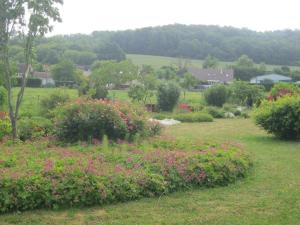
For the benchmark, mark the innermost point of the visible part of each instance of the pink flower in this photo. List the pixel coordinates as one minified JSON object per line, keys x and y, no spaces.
{"x":119,"y":168}
{"x":91,"y":167}
{"x":48,"y":165}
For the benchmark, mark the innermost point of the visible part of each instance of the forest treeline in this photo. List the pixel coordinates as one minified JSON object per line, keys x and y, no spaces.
{"x":187,"y":41}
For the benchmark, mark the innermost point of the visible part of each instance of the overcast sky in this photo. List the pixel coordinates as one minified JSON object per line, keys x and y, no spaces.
{"x":85,"y":16}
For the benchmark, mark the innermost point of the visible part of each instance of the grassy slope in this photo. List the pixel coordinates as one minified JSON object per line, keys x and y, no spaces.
{"x":271,"y":195}
{"x":159,"y":61}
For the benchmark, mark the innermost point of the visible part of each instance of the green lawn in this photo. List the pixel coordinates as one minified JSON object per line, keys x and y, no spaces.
{"x":271,"y":195}
{"x":159,"y":61}
{"x":33,"y":96}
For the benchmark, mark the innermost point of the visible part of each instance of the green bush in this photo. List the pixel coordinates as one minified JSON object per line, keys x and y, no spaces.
{"x":83,"y":120}
{"x":281,"y":117}
{"x":246,"y":94}
{"x":216,"y":95}
{"x":30,"y":82}
{"x":34,"y":128}
{"x":196,"y":117}
{"x":54,"y":183}
{"x":215,"y":112}
{"x":99,"y":92}
{"x":167,"y":96}
{"x":50,"y":103}
{"x":5,"y":125}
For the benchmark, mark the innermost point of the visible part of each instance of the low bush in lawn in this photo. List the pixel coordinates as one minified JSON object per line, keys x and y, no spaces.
{"x":215,"y":112}
{"x":36,"y":176}
{"x":281,"y":117}
{"x":192,"y":117}
{"x":84,"y":120}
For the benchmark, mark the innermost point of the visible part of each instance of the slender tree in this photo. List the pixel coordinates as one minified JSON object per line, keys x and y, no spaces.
{"x":27,"y":20}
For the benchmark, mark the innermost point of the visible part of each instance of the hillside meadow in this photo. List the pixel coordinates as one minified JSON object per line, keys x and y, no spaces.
{"x":159,"y":61}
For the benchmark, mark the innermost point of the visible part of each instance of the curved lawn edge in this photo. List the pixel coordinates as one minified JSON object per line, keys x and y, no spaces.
{"x":140,"y":175}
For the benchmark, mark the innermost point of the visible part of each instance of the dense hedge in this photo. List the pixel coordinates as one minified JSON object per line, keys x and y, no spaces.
{"x":30,"y":82}
{"x":65,"y":183}
{"x":84,"y":120}
{"x":281,"y":117}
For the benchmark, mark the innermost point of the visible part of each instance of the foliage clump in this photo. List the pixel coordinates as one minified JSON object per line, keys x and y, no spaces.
{"x":84,"y":120}
{"x":168,"y":96}
{"x":216,"y":95}
{"x":188,"y":117}
{"x":281,"y":117}
{"x":283,"y":89}
{"x":34,"y":128}
{"x":246,"y":94}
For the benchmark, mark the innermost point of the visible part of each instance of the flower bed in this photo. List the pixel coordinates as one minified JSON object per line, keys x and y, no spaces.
{"x":37,"y":176}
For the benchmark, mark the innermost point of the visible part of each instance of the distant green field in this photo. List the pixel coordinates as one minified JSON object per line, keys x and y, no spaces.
{"x":159,"y":61}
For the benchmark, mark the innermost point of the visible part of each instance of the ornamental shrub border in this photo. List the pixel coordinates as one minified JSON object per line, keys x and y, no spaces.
{"x":135,"y":175}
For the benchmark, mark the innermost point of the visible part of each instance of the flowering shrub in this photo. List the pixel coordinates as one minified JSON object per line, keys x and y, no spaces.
{"x":5,"y":125}
{"x":185,"y":107}
{"x":55,"y":177}
{"x":84,"y":120}
{"x":283,"y":89}
{"x":281,"y":117}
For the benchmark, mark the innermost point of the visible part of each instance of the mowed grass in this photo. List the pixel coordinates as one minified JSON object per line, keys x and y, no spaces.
{"x":159,"y":61}
{"x":270,"y":195}
{"x":33,"y":96}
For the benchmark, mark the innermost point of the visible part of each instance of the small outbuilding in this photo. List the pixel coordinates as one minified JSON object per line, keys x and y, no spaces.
{"x":270,"y":78}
